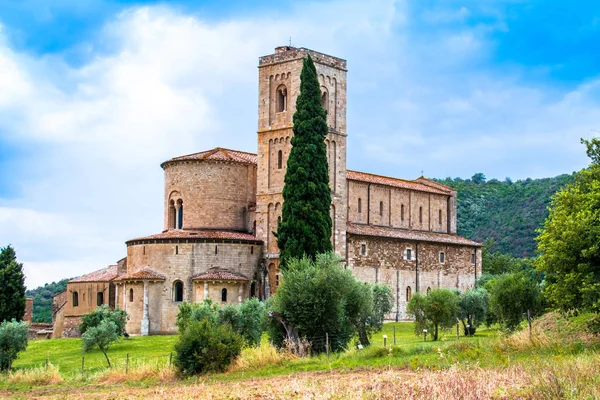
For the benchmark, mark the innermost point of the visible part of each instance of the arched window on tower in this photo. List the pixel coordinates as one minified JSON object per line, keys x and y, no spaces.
{"x":402,"y":212}
{"x":178,"y":291}
{"x":440,"y":217}
{"x":381,"y":208}
{"x":172,"y":214}
{"x":224,"y":295}
{"x":279,"y":159}
{"x":421,"y":214}
{"x":130,"y":295}
{"x":408,"y":293}
{"x":75,"y":299}
{"x":359,"y":205}
{"x":281,"y":98}
{"x":324,"y":98}
{"x":180,"y":214}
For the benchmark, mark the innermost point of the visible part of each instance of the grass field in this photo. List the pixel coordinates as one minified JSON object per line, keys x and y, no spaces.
{"x":489,"y":365}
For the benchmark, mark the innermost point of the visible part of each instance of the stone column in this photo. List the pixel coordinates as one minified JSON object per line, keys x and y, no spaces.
{"x":240,"y":292}
{"x":124,"y":296}
{"x":206,"y":290}
{"x":177,"y":211}
{"x":145,"y":320}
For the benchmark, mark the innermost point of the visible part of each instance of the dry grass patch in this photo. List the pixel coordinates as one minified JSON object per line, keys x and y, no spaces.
{"x":259,"y":357}
{"x":136,"y":372}
{"x":39,"y":376}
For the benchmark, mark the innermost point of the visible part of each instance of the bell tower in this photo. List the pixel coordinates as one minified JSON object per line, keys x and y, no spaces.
{"x":278,"y":89}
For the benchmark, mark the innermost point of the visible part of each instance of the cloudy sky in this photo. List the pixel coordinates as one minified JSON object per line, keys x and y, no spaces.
{"x":95,"y":94}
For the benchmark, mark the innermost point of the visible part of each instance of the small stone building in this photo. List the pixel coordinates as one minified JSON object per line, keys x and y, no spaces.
{"x":222,"y":206}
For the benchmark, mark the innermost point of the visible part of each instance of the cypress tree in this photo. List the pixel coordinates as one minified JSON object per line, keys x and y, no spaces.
{"x":12,"y":292}
{"x":305,"y":227}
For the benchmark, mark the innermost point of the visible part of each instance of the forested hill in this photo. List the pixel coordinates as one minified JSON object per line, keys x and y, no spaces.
{"x":505,"y":211}
{"x":42,"y":299}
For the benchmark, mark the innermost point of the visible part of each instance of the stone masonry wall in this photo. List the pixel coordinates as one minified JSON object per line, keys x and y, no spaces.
{"x":215,"y":195}
{"x":382,"y":205}
{"x":385,"y":261}
{"x":180,"y":261}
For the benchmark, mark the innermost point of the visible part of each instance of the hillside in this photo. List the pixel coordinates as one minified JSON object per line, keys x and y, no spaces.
{"x":507,"y":212}
{"x":42,"y":299}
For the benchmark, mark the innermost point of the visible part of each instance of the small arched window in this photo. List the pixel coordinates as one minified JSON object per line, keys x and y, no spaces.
{"x":180,"y":214}
{"x":130,"y":295}
{"x":442,"y":257}
{"x":224,"y":295}
{"x":402,"y":212}
{"x":100,"y":298}
{"x":381,"y":208}
{"x":408,"y":254}
{"x":281,"y":98}
{"x":279,"y":159}
{"x":428,"y":290}
{"x":253,"y":289}
{"x":359,"y":205}
{"x":408,"y":293}
{"x":251,"y":249}
{"x":172,"y":215}
{"x":178,"y":291}
{"x":176,"y":249}
{"x":277,"y":280}
{"x":278,"y":220}
{"x":440,"y":217}
{"x":421,"y":214}
{"x":216,"y":249}
{"x":75,"y":299}
{"x":325,"y":99}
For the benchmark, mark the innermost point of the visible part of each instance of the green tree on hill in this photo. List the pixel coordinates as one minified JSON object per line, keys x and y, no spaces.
{"x":569,"y":242}
{"x":12,"y":281}
{"x":305,"y":227}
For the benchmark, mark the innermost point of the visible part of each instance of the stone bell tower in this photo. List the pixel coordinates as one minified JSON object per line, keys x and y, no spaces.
{"x":279,"y":87}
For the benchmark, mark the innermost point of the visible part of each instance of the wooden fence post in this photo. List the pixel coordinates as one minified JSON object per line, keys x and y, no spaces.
{"x":327,"y":344}
{"x":127,"y":364}
{"x":82,"y":366}
{"x":394,"y":335}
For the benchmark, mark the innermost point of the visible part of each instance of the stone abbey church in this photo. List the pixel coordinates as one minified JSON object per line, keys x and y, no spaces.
{"x":222,"y":206}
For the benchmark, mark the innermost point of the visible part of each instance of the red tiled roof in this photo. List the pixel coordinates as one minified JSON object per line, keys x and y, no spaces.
{"x":216,"y":274}
{"x":190,"y":234}
{"x":143,"y":274}
{"x":102,"y":275}
{"x":217,"y":154}
{"x":395,"y":182}
{"x":395,"y":233}
{"x":435,"y":184}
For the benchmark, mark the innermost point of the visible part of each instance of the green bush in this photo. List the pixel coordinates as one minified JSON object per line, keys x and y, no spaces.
{"x":206,"y":347}
{"x":438,"y":309}
{"x":94,"y":318}
{"x":13,"y":339}
{"x":247,"y":319}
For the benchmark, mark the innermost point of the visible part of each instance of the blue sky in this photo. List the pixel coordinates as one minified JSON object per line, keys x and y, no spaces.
{"x":95,"y":94}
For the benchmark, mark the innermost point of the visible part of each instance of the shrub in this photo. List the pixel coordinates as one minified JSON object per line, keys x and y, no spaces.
{"x":95,"y":317}
{"x":101,"y":336}
{"x":13,"y":339}
{"x":206,"y":347}
{"x":438,"y":309}
{"x":472,"y":309}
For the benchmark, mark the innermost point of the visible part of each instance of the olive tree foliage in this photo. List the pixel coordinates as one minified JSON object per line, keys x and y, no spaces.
{"x":247,"y":319}
{"x":435,"y":311}
{"x":472,"y":309}
{"x":102,"y":336}
{"x":305,"y":227}
{"x":569,"y":242}
{"x":104,"y":313}
{"x":13,"y":340}
{"x":320,"y":297}
{"x":515,"y":297}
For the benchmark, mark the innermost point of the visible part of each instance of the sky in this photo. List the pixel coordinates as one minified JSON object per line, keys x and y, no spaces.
{"x":95,"y":95}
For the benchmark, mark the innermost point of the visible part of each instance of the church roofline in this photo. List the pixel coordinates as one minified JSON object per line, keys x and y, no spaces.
{"x":217,"y":154}
{"x":395,"y":182}
{"x":197,"y":236}
{"x":102,"y":275}
{"x":289,"y":53}
{"x":408,"y":234}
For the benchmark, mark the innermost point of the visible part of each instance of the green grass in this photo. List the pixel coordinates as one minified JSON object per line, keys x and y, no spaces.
{"x":66,"y":354}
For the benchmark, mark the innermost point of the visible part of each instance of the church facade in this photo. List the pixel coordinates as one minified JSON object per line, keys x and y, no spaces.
{"x":222,"y":206}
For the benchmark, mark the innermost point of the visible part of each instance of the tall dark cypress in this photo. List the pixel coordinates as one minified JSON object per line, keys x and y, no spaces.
{"x":12,"y":286}
{"x":305,"y":227}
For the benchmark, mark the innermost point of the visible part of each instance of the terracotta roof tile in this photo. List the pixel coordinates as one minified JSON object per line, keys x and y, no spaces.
{"x":217,"y":154}
{"x":217,"y":274}
{"x":395,"y":182}
{"x":144,"y":273}
{"x":102,"y":275}
{"x":199,"y":234}
{"x":395,"y":233}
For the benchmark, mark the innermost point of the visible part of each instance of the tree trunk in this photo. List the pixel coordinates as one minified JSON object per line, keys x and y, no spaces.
{"x":435,"y":335}
{"x":107,"y":360}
